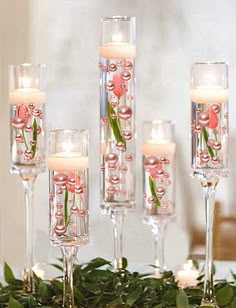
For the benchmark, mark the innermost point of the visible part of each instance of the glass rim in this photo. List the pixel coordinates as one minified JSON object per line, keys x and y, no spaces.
{"x":68,"y":130}
{"x":26,"y":65}
{"x":118,"y":18}
{"x":159,"y":122}
{"x":210,"y":62}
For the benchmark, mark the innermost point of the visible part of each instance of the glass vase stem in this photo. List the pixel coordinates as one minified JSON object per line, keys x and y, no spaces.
{"x":209,"y":189}
{"x":117,"y":219}
{"x":158,"y":233}
{"x":28,"y":181}
{"x":69,"y":253}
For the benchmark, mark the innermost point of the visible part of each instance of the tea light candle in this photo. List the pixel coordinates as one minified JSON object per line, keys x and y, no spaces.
{"x":187,"y":276}
{"x":38,"y":271}
{"x":117,"y":50}
{"x":152,"y":147}
{"x":67,"y":162}
{"x":26,"y":96}
{"x":206,"y":95}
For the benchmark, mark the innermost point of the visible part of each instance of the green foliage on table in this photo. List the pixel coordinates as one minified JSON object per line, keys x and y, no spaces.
{"x":96,"y":285}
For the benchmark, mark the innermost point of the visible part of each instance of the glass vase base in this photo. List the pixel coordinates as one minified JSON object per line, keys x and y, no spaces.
{"x":118,"y":264}
{"x":207,"y":303}
{"x":27,"y":277}
{"x":209,"y":175}
{"x":156,"y":219}
{"x":27,"y":169}
{"x":118,"y":207}
{"x":64,"y":241}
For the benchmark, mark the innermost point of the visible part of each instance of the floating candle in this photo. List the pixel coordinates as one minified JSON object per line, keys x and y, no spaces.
{"x":152,"y":147}
{"x":67,"y":162}
{"x":26,"y":96}
{"x":117,"y":50}
{"x":206,"y":95}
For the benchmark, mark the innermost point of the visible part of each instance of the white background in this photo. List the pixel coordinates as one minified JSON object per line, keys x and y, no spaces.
{"x":65,"y":34}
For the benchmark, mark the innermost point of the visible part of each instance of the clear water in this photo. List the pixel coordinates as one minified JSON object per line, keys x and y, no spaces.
{"x":68,"y":199}
{"x":209,"y":134}
{"x":117,"y":131}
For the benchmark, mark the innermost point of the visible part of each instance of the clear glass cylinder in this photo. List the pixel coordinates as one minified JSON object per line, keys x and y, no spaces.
{"x":209,"y":119}
{"x":68,"y":187}
{"x":117,"y":113}
{"x":27,"y":123}
{"x":159,"y":161}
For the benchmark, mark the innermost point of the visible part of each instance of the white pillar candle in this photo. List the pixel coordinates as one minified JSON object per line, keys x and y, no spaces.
{"x":151,"y":147}
{"x":117,"y":50}
{"x":67,"y":162}
{"x":26,"y":96}
{"x":206,"y":95}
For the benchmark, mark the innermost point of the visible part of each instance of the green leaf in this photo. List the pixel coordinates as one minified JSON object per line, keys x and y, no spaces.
{"x":43,"y":290}
{"x":124,"y":263}
{"x":233,"y":305}
{"x":115,"y":302}
{"x":224,"y":295}
{"x":58,"y":284}
{"x":170,"y":297}
{"x":96,"y":263}
{"x":4,"y":298}
{"x":57,"y":266}
{"x":133,"y":296}
{"x":234,"y":275}
{"x":13,"y":303}
{"x":35,"y":136}
{"x":114,"y":124}
{"x":152,"y":186}
{"x":8,"y":274}
{"x":205,"y":136}
{"x":182,"y":299}
{"x":93,"y":288}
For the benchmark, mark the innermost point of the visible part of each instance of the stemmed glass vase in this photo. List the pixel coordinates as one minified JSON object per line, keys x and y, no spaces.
{"x":117,"y":123}
{"x":159,"y":160}
{"x":68,"y":199}
{"x":209,"y":136}
{"x":27,"y":124}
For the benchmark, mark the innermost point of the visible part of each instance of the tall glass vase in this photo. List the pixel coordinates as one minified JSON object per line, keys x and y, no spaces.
{"x":209,"y":132}
{"x":68,"y":199}
{"x":117,"y":123}
{"x":159,"y":155}
{"x":27,"y":124}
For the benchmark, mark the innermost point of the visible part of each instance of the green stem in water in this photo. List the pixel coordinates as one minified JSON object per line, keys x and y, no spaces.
{"x":205,"y":136}
{"x":66,"y":220}
{"x":114,"y":124}
{"x":35,"y":136}
{"x":152,"y":187}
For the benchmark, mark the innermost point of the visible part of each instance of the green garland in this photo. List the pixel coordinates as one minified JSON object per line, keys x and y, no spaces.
{"x":96,"y":285}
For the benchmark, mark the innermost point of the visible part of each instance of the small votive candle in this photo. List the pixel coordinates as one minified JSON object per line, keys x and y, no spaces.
{"x":187,"y":276}
{"x":38,"y":271}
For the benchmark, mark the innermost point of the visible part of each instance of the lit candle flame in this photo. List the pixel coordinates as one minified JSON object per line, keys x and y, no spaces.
{"x":117,"y":37}
{"x":25,"y":82}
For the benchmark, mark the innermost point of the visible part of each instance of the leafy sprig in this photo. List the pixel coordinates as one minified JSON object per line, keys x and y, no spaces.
{"x":205,"y":137}
{"x":114,"y":124}
{"x":35,"y":137}
{"x":152,"y":186}
{"x":96,"y":285}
